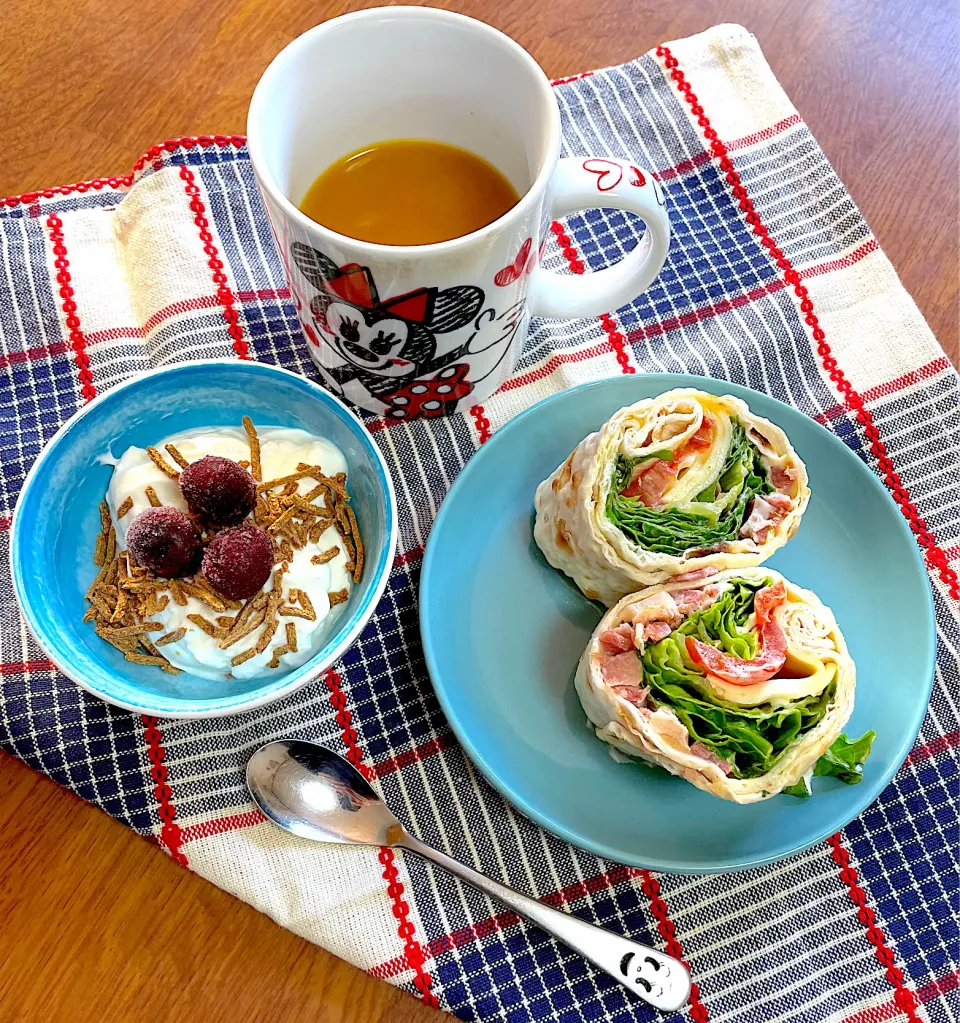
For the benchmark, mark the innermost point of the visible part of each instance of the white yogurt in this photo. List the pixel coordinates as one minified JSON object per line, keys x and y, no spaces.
{"x":280,"y":451}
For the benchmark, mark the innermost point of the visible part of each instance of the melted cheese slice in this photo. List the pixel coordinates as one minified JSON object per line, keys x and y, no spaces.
{"x":804,"y":675}
{"x":706,"y":464}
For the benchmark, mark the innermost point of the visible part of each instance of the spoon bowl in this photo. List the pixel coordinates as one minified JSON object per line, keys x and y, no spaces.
{"x":310,"y":791}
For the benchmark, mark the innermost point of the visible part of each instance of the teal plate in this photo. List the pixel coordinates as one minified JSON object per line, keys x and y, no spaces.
{"x":502,"y":633}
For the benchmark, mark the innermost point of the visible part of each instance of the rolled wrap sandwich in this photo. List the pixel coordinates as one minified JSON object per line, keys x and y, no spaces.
{"x":669,"y":485}
{"x":739,"y":683}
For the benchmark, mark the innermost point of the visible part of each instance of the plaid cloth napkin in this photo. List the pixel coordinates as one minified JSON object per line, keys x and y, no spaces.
{"x":775,"y":281}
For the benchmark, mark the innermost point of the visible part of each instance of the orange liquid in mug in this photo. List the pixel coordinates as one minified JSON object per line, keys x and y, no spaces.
{"x":409,"y":192}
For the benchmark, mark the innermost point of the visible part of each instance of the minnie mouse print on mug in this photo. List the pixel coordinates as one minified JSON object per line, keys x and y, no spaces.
{"x":436,"y":139}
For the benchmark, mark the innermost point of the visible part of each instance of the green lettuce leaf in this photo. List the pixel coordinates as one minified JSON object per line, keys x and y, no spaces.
{"x":801,"y":789}
{"x":671,"y":531}
{"x":753,"y":739}
{"x":845,"y":758}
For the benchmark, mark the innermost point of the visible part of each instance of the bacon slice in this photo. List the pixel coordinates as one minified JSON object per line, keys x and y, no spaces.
{"x":622,"y":670}
{"x":771,"y":648}
{"x":694,"y":600}
{"x":650,"y":484}
{"x":655,"y":631}
{"x":705,"y":753}
{"x":766,"y":513}
{"x":617,"y":640}
{"x":783,"y":479}
{"x":632,"y":694}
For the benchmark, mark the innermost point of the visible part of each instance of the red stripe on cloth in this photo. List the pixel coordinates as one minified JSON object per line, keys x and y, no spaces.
{"x":765,"y":134}
{"x":96,"y":184}
{"x":493,"y":924}
{"x":554,"y":362}
{"x":78,"y":341}
{"x":25,"y":667}
{"x":413,"y":956}
{"x":262,"y":294}
{"x":933,"y":748}
{"x":842,"y":263}
{"x":151,"y":155}
{"x":651,"y":888}
{"x":915,"y":376}
{"x":704,"y":312}
{"x":412,"y":756}
{"x":890,"y":1009}
{"x":170,"y":834}
{"x":414,"y":554}
{"x":935,"y":556}
{"x":685,"y":166}
{"x":187,"y":305}
{"x":154,"y":321}
{"x":224,"y":295}
{"x":574,"y":262}
{"x":904,"y":998}
{"x":32,"y":354}
{"x":222,"y":825}
{"x":939,"y":987}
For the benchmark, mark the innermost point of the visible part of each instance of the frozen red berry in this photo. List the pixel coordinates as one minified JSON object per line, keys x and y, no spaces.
{"x":165,"y":541}
{"x":239,"y":561}
{"x":218,"y":490}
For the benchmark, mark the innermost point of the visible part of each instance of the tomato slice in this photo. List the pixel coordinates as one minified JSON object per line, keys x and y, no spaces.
{"x":771,"y":652}
{"x":768,"y":600}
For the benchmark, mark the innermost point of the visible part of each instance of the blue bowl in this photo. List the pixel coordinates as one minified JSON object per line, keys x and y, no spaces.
{"x":57,"y":520}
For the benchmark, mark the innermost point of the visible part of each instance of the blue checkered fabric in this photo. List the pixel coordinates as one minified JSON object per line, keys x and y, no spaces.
{"x":781,"y":943}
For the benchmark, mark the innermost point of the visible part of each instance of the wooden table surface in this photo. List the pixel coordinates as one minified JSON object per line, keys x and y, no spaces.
{"x":96,"y":923}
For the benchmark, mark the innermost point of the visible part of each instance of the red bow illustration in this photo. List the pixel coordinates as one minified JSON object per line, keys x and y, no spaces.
{"x":354,"y":284}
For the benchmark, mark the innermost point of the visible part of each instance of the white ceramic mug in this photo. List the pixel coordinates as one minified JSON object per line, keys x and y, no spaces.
{"x":413,"y":330}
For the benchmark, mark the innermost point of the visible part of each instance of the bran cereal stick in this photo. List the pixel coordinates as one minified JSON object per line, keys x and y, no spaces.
{"x":161,"y":463}
{"x":176,"y":456}
{"x":256,"y":471}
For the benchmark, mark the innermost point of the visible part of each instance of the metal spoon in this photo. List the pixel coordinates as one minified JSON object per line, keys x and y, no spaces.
{"x":310,"y":791}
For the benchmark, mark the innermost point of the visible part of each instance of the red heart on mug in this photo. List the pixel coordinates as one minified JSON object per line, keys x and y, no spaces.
{"x":512,"y":273}
{"x":609,"y":174}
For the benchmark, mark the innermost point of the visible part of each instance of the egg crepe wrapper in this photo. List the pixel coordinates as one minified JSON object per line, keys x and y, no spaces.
{"x":660,"y":737}
{"x":576,"y":534}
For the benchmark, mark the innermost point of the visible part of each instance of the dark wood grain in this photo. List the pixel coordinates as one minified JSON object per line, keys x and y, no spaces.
{"x":94,"y":922}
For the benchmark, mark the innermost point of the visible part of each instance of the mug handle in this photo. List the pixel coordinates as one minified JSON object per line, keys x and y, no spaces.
{"x":592,"y":182}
